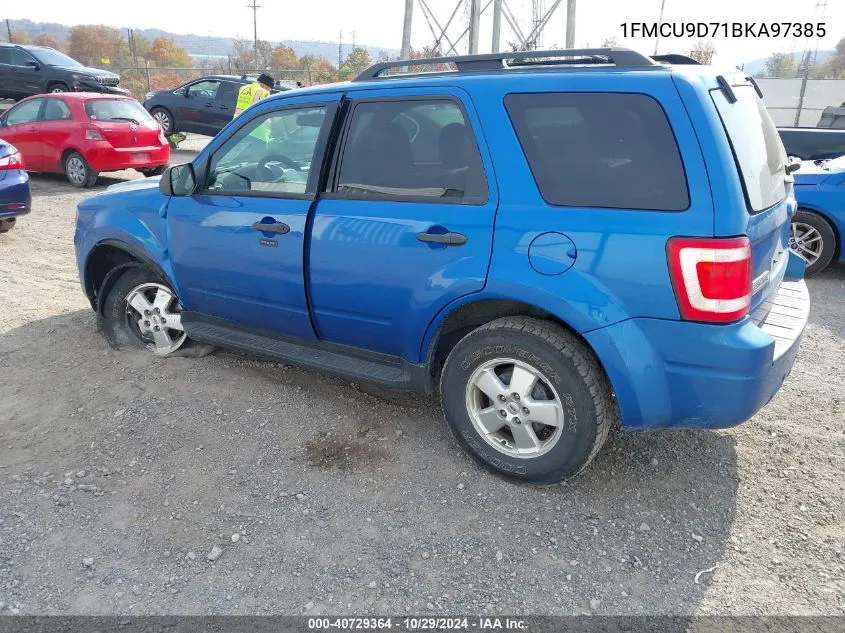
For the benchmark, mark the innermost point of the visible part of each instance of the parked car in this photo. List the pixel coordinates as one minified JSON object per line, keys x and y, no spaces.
{"x":32,"y":70}
{"x":83,"y":134}
{"x":15,"y":198}
{"x":819,"y":225}
{"x":542,"y":243}
{"x":808,"y":143}
{"x":203,"y":106}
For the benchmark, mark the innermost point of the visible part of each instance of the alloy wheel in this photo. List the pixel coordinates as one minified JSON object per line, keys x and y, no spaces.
{"x":806,"y":241}
{"x":514,"y":408}
{"x":76,"y":170}
{"x":156,"y":312}
{"x":162,"y":119}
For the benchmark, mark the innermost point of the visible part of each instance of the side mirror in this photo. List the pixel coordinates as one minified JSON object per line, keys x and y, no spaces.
{"x":33,"y":64}
{"x":178,"y":180}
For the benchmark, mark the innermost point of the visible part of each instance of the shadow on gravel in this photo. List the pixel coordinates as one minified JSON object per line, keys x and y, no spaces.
{"x":49,"y":184}
{"x":183,"y":452}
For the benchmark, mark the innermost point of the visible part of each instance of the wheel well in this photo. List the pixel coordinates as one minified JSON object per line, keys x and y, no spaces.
{"x":838,"y":245}
{"x":65,"y":154}
{"x":469,"y":316}
{"x":53,"y":83}
{"x":103,"y":259}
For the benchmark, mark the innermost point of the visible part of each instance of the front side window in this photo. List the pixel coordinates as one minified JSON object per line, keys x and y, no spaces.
{"x":56,"y":110}
{"x":203,"y":89}
{"x":420,"y":149}
{"x":24,"y":113}
{"x":608,"y":150}
{"x":273,"y":153}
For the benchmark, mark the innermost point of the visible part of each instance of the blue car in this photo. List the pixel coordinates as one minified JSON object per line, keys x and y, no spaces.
{"x":819,"y":225}
{"x":555,"y":242}
{"x":15,"y":198}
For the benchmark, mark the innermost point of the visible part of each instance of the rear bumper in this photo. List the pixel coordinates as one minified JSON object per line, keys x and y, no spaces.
{"x":15,"y":198}
{"x":678,"y":374}
{"x":103,"y":157}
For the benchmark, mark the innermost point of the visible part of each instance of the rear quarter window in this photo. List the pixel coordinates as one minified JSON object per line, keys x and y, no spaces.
{"x":757,"y":147}
{"x":610,"y":150}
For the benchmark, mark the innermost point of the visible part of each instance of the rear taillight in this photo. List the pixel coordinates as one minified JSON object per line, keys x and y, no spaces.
{"x":93,"y":135}
{"x":712,"y":277}
{"x":12,"y":161}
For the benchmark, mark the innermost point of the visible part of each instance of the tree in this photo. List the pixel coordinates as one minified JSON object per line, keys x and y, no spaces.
{"x":20,"y":37}
{"x":284,"y":58}
{"x":779,"y":65}
{"x":168,"y":54}
{"x":609,"y":42}
{"x":357,"y":61}
{"x":703,"y":52}
{"x":89,"y":43}
{"x":45,"y":40}
{"x":243,"y":55}
{"x":834,"y":68}
{"x":318,"y":70}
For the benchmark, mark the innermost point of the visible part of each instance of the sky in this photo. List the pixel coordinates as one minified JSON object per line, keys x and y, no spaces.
{"x":379,"y":22}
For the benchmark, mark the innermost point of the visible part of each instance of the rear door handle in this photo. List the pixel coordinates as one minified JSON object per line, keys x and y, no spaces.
{"x":277,"y":227}
{"x":449,"y":239}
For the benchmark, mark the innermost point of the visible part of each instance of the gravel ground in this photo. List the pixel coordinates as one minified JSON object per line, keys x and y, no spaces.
{"x":123,"y":475}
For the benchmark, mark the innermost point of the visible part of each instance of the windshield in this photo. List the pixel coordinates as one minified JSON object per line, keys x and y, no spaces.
{"x":757,"y":147}
{"x":116,"y":110}
{"x":52,"y":57}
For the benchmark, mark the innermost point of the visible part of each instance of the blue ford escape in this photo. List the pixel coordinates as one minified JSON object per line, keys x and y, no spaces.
{"x":556,"y":241}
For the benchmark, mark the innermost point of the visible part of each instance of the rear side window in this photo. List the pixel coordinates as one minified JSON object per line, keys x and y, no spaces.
{"x":56,"y":110}
{"x":415,"y":150}
{"x":611,"y":150}
{"x":757,"y":147}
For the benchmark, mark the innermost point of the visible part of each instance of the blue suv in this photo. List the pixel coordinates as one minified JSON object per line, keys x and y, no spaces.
{"x":555,"y":241}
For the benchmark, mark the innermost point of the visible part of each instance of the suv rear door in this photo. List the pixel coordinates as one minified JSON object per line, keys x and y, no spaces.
{"x":406,"y":225}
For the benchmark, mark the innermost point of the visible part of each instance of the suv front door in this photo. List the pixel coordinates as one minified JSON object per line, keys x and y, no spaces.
{"x":237,"y":245}
{"x":407,"y":224}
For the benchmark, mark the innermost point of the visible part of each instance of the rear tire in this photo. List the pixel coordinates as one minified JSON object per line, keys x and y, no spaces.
{"x":163,"y":117}
{"x":78,"y":171}
{"x":813,"y":238}
{"x":156,"y":171}
{"x":7,"y":225}
{"x":545,"y":408}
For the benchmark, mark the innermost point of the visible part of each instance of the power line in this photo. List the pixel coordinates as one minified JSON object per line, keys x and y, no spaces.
{"x":255,"y":7}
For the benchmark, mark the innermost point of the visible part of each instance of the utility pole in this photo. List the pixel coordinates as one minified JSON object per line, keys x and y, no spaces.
{"x":9,"y":30}
{"x":339,"y":51}
{"x":570,"y":24}
{"x":255,"y":7}
{"x":497,"y":25}
{"x":659,"y":22}
{"x":406,"y":29}
{"x":474,"y":24}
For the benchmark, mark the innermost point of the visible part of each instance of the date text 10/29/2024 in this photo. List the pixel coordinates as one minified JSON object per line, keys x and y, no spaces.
{"x":417,"y":624}
{"x":703,"y":30}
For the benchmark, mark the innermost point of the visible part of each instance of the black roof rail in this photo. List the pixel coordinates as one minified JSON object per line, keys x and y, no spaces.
{"x":674,"y":58}
{"x":621,"y":57}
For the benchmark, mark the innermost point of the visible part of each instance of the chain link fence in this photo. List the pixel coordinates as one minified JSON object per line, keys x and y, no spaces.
{"x":800,"y":102}
{"x":144,"y":79}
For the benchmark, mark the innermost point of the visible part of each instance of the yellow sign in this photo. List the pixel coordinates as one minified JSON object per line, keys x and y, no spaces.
{"x":105,"y":60}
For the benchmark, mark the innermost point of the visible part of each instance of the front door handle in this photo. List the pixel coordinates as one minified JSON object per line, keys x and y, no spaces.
{"x":449,"y":239}
{"x":276,"y":227}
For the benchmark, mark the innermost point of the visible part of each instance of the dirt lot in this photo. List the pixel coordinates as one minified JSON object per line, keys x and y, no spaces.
{"x":120,"y":472}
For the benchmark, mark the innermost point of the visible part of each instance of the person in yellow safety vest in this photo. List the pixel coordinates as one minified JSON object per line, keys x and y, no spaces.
{"x":254,"y":92}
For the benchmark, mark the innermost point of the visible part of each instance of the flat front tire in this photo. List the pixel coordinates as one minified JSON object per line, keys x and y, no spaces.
{"x":527,"y":400}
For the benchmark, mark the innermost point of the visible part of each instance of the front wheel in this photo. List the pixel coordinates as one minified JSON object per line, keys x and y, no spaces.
{"x":813,"y":238}
{"x":58,"y":87}
{"x":527,"y":400}
{"x":142,"y":309}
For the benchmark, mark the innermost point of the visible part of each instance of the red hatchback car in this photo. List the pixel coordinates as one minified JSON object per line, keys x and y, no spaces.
{"x":82,"y":134}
